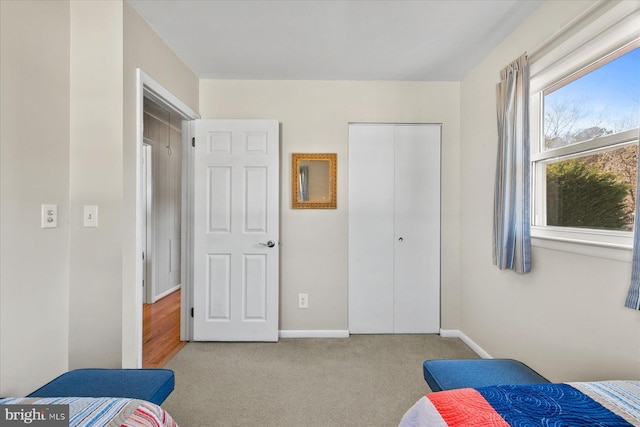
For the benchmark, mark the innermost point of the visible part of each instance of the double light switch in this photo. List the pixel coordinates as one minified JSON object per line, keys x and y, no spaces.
{"x":49,"y":216}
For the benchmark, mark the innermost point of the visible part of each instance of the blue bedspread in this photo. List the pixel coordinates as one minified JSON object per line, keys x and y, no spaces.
{"x":553,"y":404}
{"x":606,"y":403}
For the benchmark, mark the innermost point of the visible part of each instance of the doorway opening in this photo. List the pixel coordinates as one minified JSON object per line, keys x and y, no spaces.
{"x":162,"y":219}
{"x":161,"y":194}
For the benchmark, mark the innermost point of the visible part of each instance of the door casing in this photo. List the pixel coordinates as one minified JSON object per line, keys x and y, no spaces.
{"x":146,"y":230}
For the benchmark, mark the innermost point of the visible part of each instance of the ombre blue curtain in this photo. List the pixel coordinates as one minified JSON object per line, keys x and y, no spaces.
{"x":511,"y":222}
{"x":633,"y":297}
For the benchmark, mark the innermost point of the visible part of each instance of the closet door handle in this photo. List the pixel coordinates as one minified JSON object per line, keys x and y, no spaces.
{"x":401,"y":239}
{"x":269,"y":244}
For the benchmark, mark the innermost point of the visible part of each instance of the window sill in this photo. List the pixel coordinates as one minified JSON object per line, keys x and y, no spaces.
{"x":615,"y":245}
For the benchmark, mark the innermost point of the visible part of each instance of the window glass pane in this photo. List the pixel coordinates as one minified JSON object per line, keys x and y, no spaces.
{"x":602,"y":102}
{"x":593,"y":191}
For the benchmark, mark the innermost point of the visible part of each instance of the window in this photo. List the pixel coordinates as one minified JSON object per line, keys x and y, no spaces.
{"x":585,"y":150}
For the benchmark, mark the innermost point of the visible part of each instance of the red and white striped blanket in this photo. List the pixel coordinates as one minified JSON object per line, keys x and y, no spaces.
{"x":103,"y":411}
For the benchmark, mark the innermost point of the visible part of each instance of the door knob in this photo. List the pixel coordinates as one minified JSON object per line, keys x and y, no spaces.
{"x":269,"y":244}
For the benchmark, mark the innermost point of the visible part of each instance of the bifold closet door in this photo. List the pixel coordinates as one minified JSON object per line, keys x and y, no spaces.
{"x":371,"y":211}
{"x":417,"y":229}
{"x":394,"y":228}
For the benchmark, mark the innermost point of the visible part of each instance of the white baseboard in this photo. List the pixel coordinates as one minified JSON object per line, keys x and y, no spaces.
{"x":337,"y":333}
{"x":314,"y":334}
{"x":455,"y":333}
{"x":165,"y":293}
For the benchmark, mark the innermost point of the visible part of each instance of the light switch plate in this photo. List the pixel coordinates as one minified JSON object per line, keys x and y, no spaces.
{"x":90,"y":217}
{"x":303,"y":300}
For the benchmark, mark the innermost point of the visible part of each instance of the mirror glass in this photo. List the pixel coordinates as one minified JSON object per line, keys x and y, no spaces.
{"x":313,"y":180}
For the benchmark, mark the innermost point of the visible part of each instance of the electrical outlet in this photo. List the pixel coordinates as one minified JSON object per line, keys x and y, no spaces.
{"x":303,"y":300}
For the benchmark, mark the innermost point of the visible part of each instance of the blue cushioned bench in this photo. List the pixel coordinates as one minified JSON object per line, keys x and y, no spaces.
{"x":153,"y":385}
{"x":448,"y":374}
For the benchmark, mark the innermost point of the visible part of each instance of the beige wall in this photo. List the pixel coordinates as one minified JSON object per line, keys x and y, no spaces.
{"x":314,"y":117}
{"x":109,"y":43}
{"x":566,"y":318}
{"x":34,"y":169}
{"x":96,"y":179}
{"x":68,"y":132}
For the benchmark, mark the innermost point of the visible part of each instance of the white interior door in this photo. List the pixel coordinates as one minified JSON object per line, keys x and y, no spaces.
{"x":236,"y":230}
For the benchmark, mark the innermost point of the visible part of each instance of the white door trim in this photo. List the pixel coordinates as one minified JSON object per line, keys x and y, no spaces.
{"x":146,"y":217}
{"x":147,"y":87}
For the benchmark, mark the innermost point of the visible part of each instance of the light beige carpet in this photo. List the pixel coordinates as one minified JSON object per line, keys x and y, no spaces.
{"x":363,"y":380}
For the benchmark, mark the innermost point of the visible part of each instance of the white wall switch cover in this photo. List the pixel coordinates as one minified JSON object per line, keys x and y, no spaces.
{"x":90,"y":216}
{"x":49,"y":216}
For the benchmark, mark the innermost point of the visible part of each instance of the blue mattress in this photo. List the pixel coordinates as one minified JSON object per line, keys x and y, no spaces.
{"x":153,"y":385}
{"x":449,"y":374}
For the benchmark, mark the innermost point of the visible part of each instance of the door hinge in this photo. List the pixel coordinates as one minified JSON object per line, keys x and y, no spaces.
{"x":191,"y":311}
{"x":193,"y":141}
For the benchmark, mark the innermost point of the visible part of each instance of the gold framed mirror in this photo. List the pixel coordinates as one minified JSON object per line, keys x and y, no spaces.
{"x":313,"y":180}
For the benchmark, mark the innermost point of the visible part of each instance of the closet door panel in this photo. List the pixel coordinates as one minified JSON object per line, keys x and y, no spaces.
{"x":417,"y":229}
{"x":371,"y":228}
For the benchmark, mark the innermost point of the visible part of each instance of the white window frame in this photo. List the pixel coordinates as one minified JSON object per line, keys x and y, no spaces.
{"x":603,"y":29}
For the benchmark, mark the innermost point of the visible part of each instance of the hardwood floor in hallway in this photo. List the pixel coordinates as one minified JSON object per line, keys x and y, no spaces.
{"x":161,"y":331}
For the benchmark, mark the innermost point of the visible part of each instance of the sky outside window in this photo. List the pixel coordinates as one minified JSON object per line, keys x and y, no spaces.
{"x":602,"y":102}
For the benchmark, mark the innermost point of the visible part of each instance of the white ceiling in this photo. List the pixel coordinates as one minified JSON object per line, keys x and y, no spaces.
{"x":431,"y":40}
